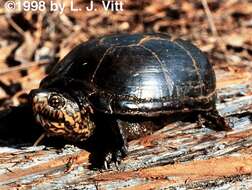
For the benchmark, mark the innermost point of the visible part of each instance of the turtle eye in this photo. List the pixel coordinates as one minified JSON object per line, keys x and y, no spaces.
{"x":56,"y":101}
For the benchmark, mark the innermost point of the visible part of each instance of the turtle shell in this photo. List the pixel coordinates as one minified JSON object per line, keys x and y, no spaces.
{"x":139,"y":74}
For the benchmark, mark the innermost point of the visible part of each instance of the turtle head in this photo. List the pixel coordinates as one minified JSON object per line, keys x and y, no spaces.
{"x":62,"y":115}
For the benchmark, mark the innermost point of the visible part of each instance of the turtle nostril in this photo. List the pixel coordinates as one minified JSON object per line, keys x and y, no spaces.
{"x":32,"y":95}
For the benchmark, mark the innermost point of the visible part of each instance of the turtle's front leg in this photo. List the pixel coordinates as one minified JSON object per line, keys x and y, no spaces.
{"x":214,"y":120}
{"x":120,"y":146}
{"x":117,"y":145}
{"x":109,"y":144}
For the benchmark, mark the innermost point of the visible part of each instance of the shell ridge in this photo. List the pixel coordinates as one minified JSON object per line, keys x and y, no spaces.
{"x":168,"y":79}
{"x":195,"y":65}
{"x":147,"y":38}
{"x":100,"y":62}
{"x":106,"y":53}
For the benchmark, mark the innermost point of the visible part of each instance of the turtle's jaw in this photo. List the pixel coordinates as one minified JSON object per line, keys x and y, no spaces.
{"x":59,"y":115}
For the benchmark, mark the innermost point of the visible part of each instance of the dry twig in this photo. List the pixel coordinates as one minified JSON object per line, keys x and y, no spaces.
{"x":22,"y":66}
{"x":209,"y":17}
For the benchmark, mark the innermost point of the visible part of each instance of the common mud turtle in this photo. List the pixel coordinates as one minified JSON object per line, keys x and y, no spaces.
{"x":116,"y":88}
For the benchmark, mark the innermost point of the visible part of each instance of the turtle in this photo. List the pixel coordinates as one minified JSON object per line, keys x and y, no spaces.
{"x":116,"y":88}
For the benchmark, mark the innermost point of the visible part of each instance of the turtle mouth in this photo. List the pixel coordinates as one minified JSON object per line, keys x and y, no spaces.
{"x":46,"y":113}
{"x":52,"y":121}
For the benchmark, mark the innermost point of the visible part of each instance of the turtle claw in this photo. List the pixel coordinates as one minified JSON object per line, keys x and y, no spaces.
{"x":108,"y":165}
{"x":105,"y":164}
{"x":107,"y":160}
{"x":117,"y":165}
{"x":113,"y":159}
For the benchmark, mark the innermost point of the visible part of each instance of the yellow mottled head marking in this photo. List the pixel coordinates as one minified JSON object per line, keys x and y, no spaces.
{"x":61,"y":115}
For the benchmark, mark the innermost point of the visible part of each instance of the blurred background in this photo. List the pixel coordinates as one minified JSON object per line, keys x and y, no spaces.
{"x":32,"y":40}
